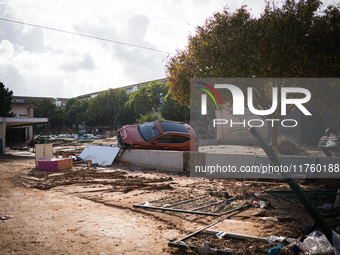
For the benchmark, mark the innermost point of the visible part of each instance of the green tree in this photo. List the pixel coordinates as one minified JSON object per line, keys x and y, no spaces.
{"x":72,"y":113}
{"x":289,"y":41}
{"x":5,"y":101}
{"x":47,"y":109}
{"x":58,"y":121}
{"x":148,"y":117}
{"x":107,"y":109}
{"x":172,"y":110}
{"x":87,"y":122}
{"x":94,"y":112}
{"x":147,"y":98}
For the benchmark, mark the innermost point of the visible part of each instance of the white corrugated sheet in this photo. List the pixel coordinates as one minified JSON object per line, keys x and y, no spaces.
{"x":101,"y":155}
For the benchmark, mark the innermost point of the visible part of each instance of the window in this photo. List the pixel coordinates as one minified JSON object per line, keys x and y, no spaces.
{"x":179,"y":139}
{"x":173,"y":139}
{"x":173,"y":127}
{"x":148,"y":131}
{"x":164,"y":139}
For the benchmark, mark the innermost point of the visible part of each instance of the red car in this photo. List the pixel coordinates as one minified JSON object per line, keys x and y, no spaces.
{"x":159,"y":135}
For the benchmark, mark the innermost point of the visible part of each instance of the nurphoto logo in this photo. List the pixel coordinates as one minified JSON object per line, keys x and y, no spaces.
{"x":239,"y":105}
{"x":222,"y":111}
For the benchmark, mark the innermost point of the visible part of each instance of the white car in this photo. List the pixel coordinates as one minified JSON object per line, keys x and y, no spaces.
{"x":64,"y":136}
{"x":89,"y":136}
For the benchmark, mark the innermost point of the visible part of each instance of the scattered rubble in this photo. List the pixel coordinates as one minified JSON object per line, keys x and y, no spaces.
{"x":267,"y":219}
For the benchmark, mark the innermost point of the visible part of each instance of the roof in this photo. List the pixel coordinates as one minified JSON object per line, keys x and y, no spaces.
{"x":38,"y":98}
{"x":85,"y":96}
{"x":15,"y":121}
{"x":124,"y":87}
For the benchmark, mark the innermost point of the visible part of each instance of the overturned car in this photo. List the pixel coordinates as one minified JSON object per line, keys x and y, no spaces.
{"x":158,"y":135}
{"x":330,"y":143}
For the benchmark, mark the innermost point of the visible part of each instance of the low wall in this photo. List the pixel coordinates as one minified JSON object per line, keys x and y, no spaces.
{"x":164,"y":160}
{"x":180,"y":161}
{"x":209,"y":142}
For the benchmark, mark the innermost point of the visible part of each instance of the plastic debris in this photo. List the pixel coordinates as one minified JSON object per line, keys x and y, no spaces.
{"x":260,"y":204}
{"x":317,"y":243}
{"x":295,"y":247}
{"x":272,"y":239}
{"x":221,"y":234}
{"x":275,"y":250}
{"x":336,"y":243}
{"x":6,"y":217}
{"x":291,"y":240}
{"x":205,"y":249}
{"x":268,"y":218}
{"x":76,"y":158}
{"x":325,"y":207}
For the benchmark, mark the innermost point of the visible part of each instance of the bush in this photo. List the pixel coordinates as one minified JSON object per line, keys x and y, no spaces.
{"x":288,"y":146}
{"x":148,"y":117}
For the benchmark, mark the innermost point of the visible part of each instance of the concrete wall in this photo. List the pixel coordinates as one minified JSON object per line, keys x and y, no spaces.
{"x":181,"y":162}
{"x":209,"y":142}
{"x":164,"y":160}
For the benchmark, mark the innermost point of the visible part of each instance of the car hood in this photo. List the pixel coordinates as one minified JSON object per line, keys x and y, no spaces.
{"x":130,"y":134}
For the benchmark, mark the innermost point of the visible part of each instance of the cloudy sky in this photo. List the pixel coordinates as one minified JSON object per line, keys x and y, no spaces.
{"x":37,"y":61}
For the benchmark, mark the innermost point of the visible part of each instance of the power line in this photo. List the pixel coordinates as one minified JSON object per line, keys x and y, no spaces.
{"x":84,"y":35}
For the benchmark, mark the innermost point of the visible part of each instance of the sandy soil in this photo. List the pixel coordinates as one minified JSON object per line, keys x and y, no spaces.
{"x":53,"y":222}
{"x":89,"y":210}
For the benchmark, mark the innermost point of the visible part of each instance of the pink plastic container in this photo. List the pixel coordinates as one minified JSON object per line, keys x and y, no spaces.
{"x":52,"y":164}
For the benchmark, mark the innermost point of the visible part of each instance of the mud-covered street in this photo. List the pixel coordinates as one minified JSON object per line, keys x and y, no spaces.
{"x":89,"y":210}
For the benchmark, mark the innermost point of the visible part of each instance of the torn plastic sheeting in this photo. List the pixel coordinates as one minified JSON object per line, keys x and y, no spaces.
{"x":101,"y":155}
{"x":317,"y":243}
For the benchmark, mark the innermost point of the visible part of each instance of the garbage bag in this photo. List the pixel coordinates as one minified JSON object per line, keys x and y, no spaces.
{"x":336,"y":243}
{"x":317,"y":243}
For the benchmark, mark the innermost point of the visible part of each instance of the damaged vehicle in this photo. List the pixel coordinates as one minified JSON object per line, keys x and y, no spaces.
{"x":330,"y":143}
{"x":158,"y":135}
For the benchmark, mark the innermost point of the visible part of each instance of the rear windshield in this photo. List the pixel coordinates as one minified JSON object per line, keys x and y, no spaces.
{"x":173,"y":127}
{"x":148,"y":131}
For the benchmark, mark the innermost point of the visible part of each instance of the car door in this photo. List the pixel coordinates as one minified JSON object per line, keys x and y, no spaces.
{"x":179,"y":142}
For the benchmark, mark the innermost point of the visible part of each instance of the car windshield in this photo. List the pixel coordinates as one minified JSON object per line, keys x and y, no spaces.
{"x":148,"y":131}
{"x":173,"y":127}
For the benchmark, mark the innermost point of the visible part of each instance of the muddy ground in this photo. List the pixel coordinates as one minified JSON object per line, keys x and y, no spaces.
{"x":89,"y":210}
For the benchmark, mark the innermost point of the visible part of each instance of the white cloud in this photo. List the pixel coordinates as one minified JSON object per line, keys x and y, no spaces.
{"x":85,"y":62}
{"x":42,"y":62}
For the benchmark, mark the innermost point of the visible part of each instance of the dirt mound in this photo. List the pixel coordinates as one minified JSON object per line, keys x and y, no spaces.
{"x":113,"y":180}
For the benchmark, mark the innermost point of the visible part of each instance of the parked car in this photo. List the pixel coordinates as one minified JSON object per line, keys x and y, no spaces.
{"x":159,"y":135}
{"x":44,"y":137}
{"x":330,"y":143}
{"x":100,"y":137}
{"x":87,"y":136}
{"x":64,"y":136}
